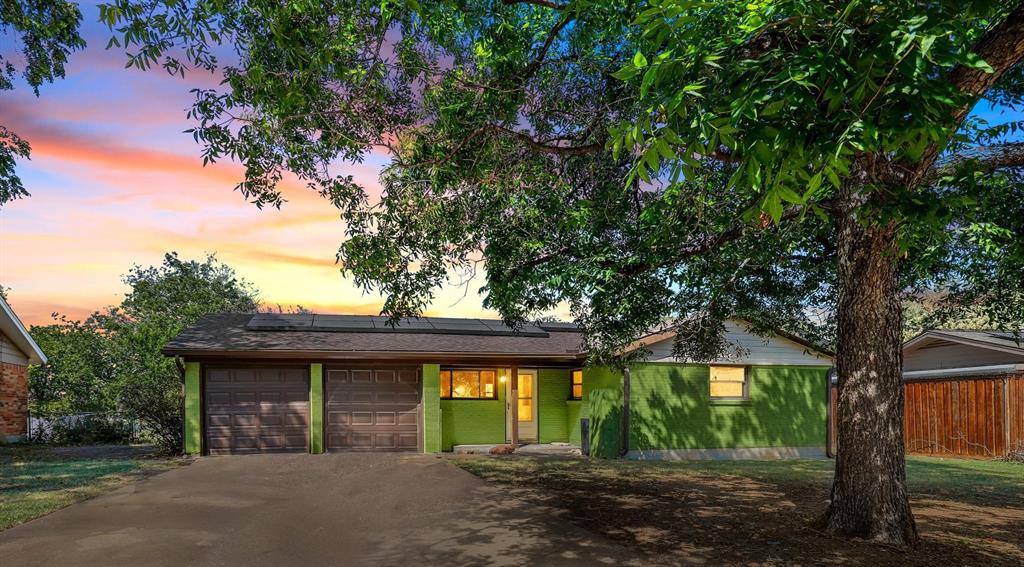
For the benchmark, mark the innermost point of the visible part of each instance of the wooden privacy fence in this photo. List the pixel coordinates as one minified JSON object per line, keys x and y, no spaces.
{"x":979,"y":417}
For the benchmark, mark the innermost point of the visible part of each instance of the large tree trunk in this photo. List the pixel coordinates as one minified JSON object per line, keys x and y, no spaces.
{"x":869,"y":494}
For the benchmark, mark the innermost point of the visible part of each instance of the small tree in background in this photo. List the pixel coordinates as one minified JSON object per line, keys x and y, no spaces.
{"x":78,"y":373}
{"x":162,"y":301}
{"x":112,"y":360}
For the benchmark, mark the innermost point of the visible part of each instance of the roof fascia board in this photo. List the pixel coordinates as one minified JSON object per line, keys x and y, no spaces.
{"x":961,"y":340}
{"x":19,"y":335}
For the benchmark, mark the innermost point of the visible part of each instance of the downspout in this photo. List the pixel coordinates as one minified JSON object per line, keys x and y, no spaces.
{"x":625,"y":412}
{"x":829,"y":377}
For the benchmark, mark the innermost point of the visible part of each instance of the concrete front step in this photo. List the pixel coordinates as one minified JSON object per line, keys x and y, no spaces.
{"x":560,"y":449}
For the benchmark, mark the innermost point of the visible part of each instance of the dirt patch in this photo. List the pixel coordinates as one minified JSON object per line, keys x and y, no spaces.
{"x":677,"y":514}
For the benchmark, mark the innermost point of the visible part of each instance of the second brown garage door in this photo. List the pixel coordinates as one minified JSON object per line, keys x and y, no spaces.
{"x":257,"y":410}
{"x":373,"y":409}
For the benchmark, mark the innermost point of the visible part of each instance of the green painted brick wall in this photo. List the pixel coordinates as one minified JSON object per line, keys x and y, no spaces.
{"x":193,"y":409}
{"x":573,"y":412}
{"x":553,"y":388}
{"x":605,"y":406}
{"x":671,"y":409}
{"x":469,"y":422}
{"x":316,"y":408}
{"x":602,"y":404}
{"x":431,"y":376}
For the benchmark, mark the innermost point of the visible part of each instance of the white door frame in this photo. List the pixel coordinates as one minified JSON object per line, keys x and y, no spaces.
{"x":527,"y":429}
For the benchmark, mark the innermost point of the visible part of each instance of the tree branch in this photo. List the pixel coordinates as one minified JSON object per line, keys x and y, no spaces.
{"x":539,"y":60}
{"x":1001,"y":47}
{"x":541,"y":3}
{"x":987,"y":159}
{"x":709,"y":243}
{"x":702,"y":246}
{"x":539,"y":146}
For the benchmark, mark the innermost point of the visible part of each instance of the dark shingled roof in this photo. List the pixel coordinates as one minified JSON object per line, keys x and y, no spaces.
{"x":292,"y":336}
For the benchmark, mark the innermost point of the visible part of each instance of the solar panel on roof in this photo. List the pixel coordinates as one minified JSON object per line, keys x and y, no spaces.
{"x":337,"y":324}
{"x":378,"y":324}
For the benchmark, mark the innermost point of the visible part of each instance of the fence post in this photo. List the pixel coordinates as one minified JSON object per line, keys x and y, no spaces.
{"x":1006,"y":416}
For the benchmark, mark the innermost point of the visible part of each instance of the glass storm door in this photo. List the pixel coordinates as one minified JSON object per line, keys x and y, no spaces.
{"x":526,"y":410}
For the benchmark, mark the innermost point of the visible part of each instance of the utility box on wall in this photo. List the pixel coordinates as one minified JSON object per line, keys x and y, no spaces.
{"x":585,"y":436}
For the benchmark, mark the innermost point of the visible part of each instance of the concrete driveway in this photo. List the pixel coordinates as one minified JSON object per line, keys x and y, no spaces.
{"x":284,"y":510}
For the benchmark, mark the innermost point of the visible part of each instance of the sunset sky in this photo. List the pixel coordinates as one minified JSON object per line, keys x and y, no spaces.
{"x":115,"y":182}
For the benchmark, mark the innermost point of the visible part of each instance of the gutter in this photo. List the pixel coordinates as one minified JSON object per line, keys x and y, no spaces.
{"x":568,"y":357}
{"x":940,"y":373}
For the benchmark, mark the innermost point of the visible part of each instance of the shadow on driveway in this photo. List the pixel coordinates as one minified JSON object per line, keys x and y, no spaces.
{"x":338,"y":509}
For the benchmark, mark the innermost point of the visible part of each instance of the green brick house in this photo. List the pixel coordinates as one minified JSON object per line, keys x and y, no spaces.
{"x":316,"y":383}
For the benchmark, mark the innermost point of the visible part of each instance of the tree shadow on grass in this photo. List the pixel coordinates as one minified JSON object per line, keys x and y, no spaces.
{"x":706,"y":515}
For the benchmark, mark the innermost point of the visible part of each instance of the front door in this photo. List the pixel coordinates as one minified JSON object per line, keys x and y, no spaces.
{"x":526,"y":410}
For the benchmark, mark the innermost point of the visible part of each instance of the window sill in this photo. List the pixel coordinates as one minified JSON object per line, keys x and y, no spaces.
{"x":469,"y":399}
{"x":730,"y":402}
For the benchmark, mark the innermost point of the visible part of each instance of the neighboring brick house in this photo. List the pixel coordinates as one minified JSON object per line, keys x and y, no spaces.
{"x":17,"y":352}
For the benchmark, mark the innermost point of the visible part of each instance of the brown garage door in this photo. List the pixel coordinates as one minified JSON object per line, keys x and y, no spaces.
{"x":257,"y":410}
{"x":373,"y":409}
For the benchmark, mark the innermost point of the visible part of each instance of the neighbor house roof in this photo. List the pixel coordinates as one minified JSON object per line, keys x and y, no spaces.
{"x":996,"y":340}
{"x":12,"y":328}
{"x":658,"y":336}
{"x":357,"y":336}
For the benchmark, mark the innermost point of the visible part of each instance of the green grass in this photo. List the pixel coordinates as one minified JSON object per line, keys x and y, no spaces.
{"x":34,"y":483}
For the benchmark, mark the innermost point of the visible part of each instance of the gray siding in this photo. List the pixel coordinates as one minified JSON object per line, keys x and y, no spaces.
{"x":753,"y":349}
{"x":11,"y":354}
{"x":936,"y":355}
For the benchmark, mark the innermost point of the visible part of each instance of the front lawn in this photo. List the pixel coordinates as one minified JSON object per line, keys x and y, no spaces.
{"x":35,"y":481}
{"x":761,"y":512}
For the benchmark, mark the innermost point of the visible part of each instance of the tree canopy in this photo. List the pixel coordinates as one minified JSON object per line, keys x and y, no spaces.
{"x":46,"y":32}
{"x":643,"y":162}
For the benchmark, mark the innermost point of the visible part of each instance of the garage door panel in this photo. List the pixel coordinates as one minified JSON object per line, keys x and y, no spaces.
{"x":385,"y":441}
{"x":245,"y":420}
{"x":409,"y":378}
{"x":257,"y":410}
{"x":408,"y":442}
{"x":373,"y":409}
{"x":361,"y":440}
{"x":361,"y":377}
{"x":338,"y":417}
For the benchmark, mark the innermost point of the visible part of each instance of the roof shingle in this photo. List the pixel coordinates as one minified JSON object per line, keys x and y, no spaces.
{"x":231,"y":333}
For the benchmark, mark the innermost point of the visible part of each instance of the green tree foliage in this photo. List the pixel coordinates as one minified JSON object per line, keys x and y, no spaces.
{"x":933,"y":310}
{"x":112,"y":361}
{"x":78,"y":373}
{"x":161,"y":302}
{"x":46,"y":32}
{"x":667,"y":163}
